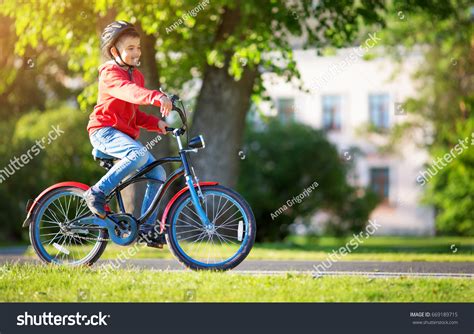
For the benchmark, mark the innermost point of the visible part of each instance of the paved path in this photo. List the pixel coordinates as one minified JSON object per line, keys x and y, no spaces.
{"x":343,"y":268}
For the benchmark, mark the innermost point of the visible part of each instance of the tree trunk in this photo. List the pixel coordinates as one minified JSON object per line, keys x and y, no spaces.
{"x":220,"y":114}
{"x":220,"y":117}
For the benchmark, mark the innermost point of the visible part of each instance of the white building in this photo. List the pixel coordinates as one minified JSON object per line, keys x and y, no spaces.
{"x":347,"y":95}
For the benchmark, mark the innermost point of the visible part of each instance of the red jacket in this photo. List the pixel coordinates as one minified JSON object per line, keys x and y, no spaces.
{"x":118,"y":100}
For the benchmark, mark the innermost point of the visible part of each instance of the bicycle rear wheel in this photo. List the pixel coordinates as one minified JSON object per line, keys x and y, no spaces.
{"x":55,"y":240}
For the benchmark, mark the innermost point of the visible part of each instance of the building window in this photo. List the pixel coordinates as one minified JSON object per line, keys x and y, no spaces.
{"x":380,"y":182}
{"x":378,"y":109}
{"x":286,"y":109}
{"x":332,"y":112}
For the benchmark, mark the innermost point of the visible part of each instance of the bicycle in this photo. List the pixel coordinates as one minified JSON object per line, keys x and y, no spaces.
{"x":207,"y":226}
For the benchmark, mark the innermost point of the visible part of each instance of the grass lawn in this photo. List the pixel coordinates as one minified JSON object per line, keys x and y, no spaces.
{"x":28,"y":283}
{"x":314,"y":249}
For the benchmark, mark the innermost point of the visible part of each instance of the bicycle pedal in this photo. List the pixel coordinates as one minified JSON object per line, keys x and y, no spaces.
{"x":155,"y":245}
{"x":161,"y":238}
{"x":153,"y":239}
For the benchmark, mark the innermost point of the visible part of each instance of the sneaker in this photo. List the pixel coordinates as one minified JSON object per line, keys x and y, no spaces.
{"x":95,"y":200}
{"x":151,"y":237}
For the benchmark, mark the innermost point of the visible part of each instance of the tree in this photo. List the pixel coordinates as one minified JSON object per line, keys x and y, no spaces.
{"x":64,"y":154}
{"x":255,"y":37}
{"x":451,"y":189}
{"x":443,"y":107}
{"x":292,"y":171}
{"x":19,"y":88}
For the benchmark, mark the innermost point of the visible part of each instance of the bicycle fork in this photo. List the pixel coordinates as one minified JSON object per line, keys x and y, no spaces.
{"x":189,"y":177}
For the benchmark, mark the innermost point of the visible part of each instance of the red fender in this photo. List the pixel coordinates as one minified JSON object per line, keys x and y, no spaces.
{"x":175,"y":197}
{"x":30,"y":207}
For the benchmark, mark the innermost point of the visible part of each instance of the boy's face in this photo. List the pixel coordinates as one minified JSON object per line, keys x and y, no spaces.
{"x":129,"y":49}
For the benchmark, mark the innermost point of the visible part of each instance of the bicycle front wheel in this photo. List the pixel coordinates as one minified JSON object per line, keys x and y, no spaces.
{"x":222,"y":247}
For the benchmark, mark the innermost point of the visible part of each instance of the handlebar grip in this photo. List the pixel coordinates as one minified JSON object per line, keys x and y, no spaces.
{"x":173,"y":98}
{"x":180,"y":131}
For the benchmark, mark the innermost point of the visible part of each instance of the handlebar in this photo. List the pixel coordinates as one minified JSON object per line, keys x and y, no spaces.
{"x":182,"y":114}
{"x":175,"y":131}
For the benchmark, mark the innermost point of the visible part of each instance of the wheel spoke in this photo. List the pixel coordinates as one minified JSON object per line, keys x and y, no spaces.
{"x":83,"y":210}
{"x":214,"y":218}
{"x":227,"y":228}
{"x":43,"y":235}
{"x":55,"y":217}
{"x":51,"y":222}
{"x":45,"y":215}
{"x":77,"y":206}
{"x":60,"y":208}
{"x":192,"y":211}
{"x":68,"y":206}
{"x":51,"y":240}
{"x":195,"y":243}
{"x":187,"y":223}
{"x":187,"y":238}
{"x":198,"y":224}
{"x":213,"y":197}
{"x":226,"y":238}
{"x":187,"y":231}
{"x":48,"y":227}
{"x":223,"y":224}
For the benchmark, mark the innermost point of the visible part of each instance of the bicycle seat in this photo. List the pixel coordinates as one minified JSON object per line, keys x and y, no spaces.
{"x":99,"y":155}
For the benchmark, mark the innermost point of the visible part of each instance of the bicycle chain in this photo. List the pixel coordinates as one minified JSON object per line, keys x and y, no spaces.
{"x":75,"y":235}
{"x":93,"y":239}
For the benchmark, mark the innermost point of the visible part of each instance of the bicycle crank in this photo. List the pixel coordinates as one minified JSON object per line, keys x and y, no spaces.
{"x":122,"y":228}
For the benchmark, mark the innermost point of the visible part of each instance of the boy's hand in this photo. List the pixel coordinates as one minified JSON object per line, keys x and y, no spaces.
{"x":166,"y":105}
{"x":162,"y":126}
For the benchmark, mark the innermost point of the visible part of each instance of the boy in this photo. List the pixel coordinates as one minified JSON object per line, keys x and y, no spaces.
{"x":114,"y":124}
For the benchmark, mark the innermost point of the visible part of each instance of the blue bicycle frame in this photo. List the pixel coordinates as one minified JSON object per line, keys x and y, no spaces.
{"x":184,"y":169}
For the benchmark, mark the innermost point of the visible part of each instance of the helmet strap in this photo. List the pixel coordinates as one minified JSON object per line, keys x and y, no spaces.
{"x":130,"y":67}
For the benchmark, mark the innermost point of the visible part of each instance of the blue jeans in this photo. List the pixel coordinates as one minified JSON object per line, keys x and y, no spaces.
{"x":133,"y":157}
